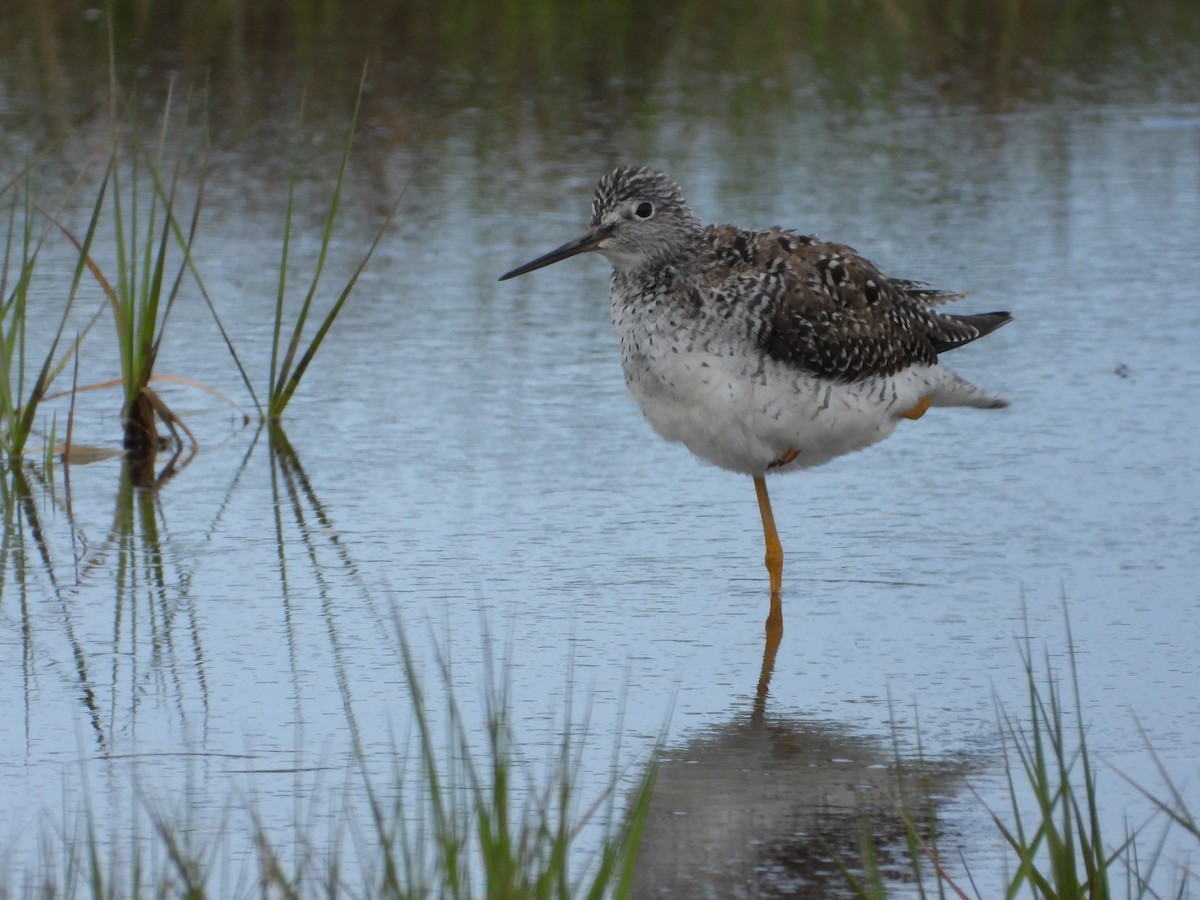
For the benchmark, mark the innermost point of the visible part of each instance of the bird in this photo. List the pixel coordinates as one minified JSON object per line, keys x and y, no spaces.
{"x":765,"y":351}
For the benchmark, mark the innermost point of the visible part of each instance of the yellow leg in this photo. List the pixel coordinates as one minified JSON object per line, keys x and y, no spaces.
{"x":774,"y":548}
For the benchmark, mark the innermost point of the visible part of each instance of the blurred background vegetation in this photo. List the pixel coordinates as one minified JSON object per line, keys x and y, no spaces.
{"x":541,"y":60}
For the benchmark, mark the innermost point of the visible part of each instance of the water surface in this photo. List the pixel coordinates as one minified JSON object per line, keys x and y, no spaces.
{"x":465,"y":467}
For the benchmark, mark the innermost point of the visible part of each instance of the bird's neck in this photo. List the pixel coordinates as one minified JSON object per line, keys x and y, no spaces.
{"x":645,"y":266}
{"x":661,"y":281}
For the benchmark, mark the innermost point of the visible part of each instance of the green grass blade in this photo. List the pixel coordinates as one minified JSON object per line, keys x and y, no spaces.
{"x":278,"y":371}
{"x":294,"y":381}
{"x":285,"y":380}
{"x":326,"y":236}
{"x":22,"y":419}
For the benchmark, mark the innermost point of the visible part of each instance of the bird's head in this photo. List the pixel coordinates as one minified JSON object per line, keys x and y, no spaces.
{"x":640,"y":220}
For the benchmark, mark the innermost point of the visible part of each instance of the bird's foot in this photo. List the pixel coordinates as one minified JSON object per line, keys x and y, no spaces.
{"x":783,"y":459}
{"x":920,"y":409}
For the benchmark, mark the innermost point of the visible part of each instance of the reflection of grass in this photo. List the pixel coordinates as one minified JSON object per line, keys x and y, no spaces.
{"x":26,"y":556}
{"x":476,"y":827}
{"x":1053,"y":830}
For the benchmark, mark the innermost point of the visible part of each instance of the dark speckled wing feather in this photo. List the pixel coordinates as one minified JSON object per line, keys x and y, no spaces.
{"x":825,"y":309}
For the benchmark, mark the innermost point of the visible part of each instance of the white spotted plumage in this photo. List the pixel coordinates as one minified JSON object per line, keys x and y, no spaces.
{"x":695,"y":326}
{"x":765,"y":350}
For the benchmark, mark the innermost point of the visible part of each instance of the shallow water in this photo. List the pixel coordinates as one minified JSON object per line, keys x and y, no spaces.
{"x":468,"y":469}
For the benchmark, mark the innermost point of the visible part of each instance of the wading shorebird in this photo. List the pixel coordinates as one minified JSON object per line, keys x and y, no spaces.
{"x":765,"y":351}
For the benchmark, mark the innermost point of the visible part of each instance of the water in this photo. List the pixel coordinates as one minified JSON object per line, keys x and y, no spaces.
{"x":471,"y":472}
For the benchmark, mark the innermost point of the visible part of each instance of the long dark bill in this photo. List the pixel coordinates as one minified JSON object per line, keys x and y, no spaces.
{"x":582,"y":244}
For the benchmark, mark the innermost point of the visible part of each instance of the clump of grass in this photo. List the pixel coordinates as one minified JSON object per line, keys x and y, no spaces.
{"x":141,"y":279}
{"x":1059,"y":848}
{"x":486,"y":843}
{"x":152,"y":253}
{"x":480,"y":823}
{"x":141,"y":297}
{"x":141,"y":292}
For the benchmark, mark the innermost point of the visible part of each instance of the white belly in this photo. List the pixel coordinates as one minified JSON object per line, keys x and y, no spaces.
{"x":745,"y":412}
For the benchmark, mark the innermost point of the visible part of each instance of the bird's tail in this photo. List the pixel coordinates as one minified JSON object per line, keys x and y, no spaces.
{"x":954,"y":390}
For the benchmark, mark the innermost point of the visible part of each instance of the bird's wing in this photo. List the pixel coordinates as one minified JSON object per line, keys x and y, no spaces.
{"x":825,"y":309}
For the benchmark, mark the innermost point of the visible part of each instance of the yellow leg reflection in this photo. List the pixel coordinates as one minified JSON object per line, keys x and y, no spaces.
{"x":770,"y":648}
{"x":774,"y":548}
{"x":775,"y":619}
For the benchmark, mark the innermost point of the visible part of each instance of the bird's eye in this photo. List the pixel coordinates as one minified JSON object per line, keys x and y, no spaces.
{"x":644,"y":210}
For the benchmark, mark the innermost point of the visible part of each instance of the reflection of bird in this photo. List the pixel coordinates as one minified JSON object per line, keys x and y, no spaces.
{"x":765,"y":351}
